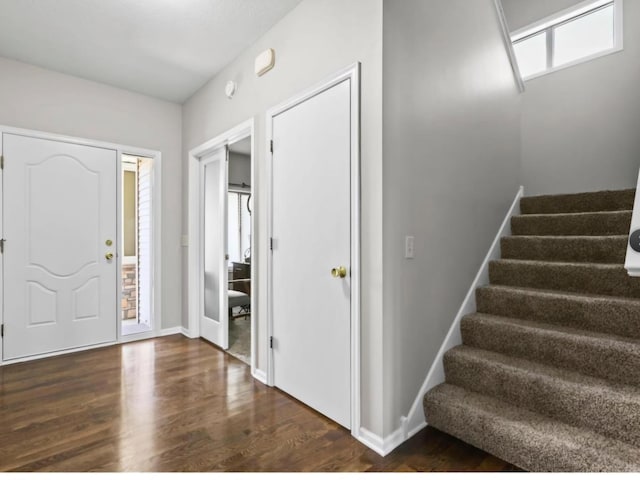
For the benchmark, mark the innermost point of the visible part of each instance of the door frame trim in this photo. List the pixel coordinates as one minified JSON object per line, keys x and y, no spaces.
{"x":120,"y":149}
{"x":239,"y":132}
{"x":351,"y":73}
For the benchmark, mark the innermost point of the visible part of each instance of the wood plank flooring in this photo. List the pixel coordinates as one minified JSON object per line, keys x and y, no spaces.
{"x":174,"y":404}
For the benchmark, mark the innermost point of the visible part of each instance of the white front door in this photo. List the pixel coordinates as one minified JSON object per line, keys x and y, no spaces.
{"x":214,"y":318}
{"x":60,"y":228}
{"x":311,"y":225}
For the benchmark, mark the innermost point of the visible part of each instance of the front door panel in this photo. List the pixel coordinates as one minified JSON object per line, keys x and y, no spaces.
{"x":60,"y":211}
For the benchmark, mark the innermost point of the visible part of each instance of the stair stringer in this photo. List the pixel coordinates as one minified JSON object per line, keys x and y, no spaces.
{"x":415,"y":419}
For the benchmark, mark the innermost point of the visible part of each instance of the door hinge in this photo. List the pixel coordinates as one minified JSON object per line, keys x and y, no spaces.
{"x":270,"y":342}
{"x":1,"y":162}
{"x":2,"y":240}
{"x":2,"y":330}
{"x":271,"y":244}
{"x":271,"y":146}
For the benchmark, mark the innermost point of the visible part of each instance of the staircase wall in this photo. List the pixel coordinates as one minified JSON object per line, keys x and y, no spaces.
{"x":451,"y":149}
{"x":580,"y":124}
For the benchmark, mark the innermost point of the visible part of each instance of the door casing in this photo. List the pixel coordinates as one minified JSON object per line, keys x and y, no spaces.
{"x":195,"y":260}
{"x":351,"y":73}
{"x":156,"y":304}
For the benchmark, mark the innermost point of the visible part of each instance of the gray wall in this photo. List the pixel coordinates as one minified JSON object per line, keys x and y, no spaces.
{"x":315,"y":40}
{"x":38,"y":99}
{"x":451,"y":163}
{"x":239,"y":168}
{"x":521,"y":13}
{"x":580,"y":125}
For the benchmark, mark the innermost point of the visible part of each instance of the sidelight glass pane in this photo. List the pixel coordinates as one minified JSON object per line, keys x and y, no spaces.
{"x":532,"y":54}
{"x":584,"y":36}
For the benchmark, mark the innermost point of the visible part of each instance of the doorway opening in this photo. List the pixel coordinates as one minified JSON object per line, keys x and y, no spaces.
{"x":240,"y":209}
{"x":222,"y":244}
{"x":137,"y":250}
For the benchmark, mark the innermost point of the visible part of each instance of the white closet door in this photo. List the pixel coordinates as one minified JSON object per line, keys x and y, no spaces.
{"x":60,"y":272}
{"x":311,"y":236}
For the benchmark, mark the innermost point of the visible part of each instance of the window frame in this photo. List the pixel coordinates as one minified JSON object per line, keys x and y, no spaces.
{"x":549,"y":24}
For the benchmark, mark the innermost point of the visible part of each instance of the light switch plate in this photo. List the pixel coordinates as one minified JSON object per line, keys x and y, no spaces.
{"x":409,"y":247}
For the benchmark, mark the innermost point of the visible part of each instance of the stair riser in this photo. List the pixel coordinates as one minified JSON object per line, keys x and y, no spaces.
{"x":575,"y":278}
{"x":479,"y":432}
{"x":590,"y":356}
{"x":520,"y":438}
{"x":566,"y":249}
{"x":583,"y":406}
{"x":582,"y":202}
{"x":616,"y":223}
{"x":588,"y":313}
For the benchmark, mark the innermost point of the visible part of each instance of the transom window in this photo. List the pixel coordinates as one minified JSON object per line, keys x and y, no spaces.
{"x":585,"y":32}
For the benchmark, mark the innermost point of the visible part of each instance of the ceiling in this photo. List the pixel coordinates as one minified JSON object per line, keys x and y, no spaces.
{"x":162,"y":48}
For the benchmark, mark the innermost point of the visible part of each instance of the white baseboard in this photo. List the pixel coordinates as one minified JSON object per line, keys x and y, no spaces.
{"x":415,"y":419}
{"x":260,"y":375}
{"x":187,"y":333}
{"x":170,"y":331}
{"x":382,"y":446}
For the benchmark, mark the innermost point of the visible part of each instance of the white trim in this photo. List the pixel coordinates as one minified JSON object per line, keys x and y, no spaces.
{"x":171,"y":331}
{"x":239,"y":132}
{"x":632,"y":259}
{"x":57,"y":353}
{"x":351,"y":73}
{"x":260,"y":375}
{"x":120,"y":150}
{"x":136,"y":337}
{"x":1,"y":236}
{"x":508,"y":45}
{"x":415,"y":418}
{"x":558,"y":17}
{"x":382,"y":446}
{"x":574,"y":63}
{"x":549,"y":23}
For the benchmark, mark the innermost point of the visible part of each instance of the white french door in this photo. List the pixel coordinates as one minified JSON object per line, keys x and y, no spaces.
{"x":311,"y":255}
{"x":60,"y":225}
{"x":214,"y":317}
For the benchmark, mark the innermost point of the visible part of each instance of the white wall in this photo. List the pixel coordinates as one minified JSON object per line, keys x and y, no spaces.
{"x":580,"y":125}
{"x":521,"y":13}
{"x":316,"y":39}
{"x":451,"y":165}
{"x":38,"y":99}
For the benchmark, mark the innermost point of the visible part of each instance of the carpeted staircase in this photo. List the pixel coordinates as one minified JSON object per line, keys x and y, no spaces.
{"x":548,"y":376}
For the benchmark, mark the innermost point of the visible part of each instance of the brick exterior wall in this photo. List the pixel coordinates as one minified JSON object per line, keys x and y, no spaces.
{"x":129,"y":292}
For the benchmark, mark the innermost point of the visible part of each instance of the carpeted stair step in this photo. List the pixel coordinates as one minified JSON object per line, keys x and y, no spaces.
{"x":526,"y":439}
{"x":609,"y":409}
{"x":612,"y":315}
{"x":595,"y":354}
{"x":600,"y":279}
{"x":600,"y":223}
{"x":579,"y":202}
{"x":592,"y":249}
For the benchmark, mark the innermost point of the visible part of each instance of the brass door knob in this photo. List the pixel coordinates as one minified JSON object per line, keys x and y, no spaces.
{"x":339,"y":272}
{"x":109,"y":256}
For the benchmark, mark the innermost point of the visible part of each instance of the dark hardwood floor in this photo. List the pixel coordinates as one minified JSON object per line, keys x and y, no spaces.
{"x":173,"y":404}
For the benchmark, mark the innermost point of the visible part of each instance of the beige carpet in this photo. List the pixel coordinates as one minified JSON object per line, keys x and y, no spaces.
{"x":548,"y":376}
{"x":240,"y":339}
